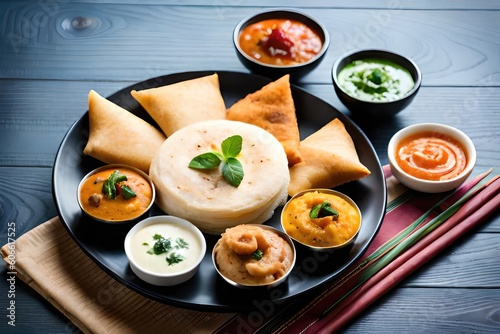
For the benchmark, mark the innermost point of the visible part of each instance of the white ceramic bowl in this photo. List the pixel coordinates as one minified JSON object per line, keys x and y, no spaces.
{"x":428,"y":186}
{"x":155,"y":277}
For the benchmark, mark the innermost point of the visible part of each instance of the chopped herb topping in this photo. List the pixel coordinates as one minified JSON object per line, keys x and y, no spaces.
{"x":164,"y":245}
{"x":258,"y":254}
{"x":181,"y":243}
{"x":174,"y":258}
{"x":323,"y":210}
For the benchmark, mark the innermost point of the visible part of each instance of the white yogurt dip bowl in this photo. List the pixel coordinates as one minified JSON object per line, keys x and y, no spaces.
{"x":165,"y":250}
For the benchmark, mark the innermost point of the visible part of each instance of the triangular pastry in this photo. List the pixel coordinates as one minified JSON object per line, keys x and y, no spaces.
{"x":183,"y":103}
{"x":118,"y":136}
{"x":330,"y":159}
{"x":272,"y":108}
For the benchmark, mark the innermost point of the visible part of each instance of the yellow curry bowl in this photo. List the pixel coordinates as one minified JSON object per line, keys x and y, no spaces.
{"x":116,"y":193}
{"x":321,"y":219}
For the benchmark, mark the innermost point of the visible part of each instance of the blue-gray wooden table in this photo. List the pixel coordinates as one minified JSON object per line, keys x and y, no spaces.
{"x":52,"y":52}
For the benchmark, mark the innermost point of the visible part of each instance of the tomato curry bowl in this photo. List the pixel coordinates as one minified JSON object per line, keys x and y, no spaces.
{"x":116,"y":193}
{"x":281,"y":42}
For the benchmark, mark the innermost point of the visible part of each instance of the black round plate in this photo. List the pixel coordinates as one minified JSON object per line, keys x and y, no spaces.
{"x":206,"y":291}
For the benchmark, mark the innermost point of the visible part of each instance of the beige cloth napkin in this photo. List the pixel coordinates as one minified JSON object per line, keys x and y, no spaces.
{"x":50,"y":262}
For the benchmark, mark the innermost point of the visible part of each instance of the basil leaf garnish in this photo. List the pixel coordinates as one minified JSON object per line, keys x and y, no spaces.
{"x":233,"y":172}
{"x":231,"y":146}
{"x":232,"y":169}
{"x":205,"y":161}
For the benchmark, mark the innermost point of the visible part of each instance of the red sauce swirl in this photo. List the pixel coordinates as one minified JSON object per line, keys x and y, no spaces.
{"x":431,"y":156}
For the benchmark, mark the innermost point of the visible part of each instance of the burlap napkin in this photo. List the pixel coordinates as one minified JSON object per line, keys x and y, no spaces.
{"x":50,"y":262}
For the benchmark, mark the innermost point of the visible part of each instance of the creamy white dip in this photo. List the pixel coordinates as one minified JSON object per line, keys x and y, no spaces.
{"x":143,"y":241}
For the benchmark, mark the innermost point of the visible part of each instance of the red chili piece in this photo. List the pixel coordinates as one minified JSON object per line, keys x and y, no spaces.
{"x":278,"y":41}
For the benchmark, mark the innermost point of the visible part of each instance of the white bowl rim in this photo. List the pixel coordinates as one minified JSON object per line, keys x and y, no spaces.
{"x":324,"y":30}
{"x":416,"y":85}
{"x":117,"y":166}
{"x":455,"y":133}
{"x":170,"y":220}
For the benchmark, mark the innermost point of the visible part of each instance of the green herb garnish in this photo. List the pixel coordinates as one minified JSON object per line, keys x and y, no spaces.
{"x":164,"y":245}
{"x":258,"y":254}
{"x":323,"y":210}
{"x":109,"y":186}
{"x":181,"y":243}
{"x":174,"y":258}
{"x":161,"y":245}
{"x":378,"y":76}
{"x":232,"y":170}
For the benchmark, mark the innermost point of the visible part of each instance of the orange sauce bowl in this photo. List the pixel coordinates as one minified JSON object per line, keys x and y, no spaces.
{"x":321,"y":232}
{"x":279,"y":42}
{"x":431,"y":157}
{"x":130,"y":199}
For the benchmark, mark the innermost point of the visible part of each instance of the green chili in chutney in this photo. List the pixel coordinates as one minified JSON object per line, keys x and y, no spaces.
{"x":375,"y":80}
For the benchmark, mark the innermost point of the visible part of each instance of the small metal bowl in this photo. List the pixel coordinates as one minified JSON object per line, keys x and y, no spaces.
{"x":429,"y":186}
{"x":164,"y":279}
{"x":273,"y":284}
{"x":346,"y":198}
{"x":276,"y":71}
{"x":111,"y":168}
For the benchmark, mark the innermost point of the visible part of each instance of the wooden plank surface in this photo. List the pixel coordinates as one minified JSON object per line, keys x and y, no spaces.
{"x":47,"y":68}
{"x":461,"y":50}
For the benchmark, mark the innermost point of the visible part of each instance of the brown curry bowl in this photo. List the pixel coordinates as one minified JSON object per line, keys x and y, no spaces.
{"x":276,"y":71}
{"x":103,"y":208}
{"x":272,"y":284}
{"x":298,"y":224}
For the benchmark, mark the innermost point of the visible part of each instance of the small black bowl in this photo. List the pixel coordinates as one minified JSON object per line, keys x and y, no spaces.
{"x":277,"y":71}
{"x":376,"y":109}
